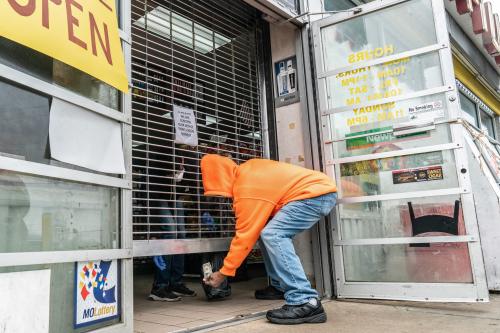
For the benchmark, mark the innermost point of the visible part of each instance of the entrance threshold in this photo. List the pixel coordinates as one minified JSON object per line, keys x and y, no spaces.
{"x":196,"y":313}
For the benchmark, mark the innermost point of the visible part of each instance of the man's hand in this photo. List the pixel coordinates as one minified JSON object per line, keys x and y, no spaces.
{"x":215,"y":279}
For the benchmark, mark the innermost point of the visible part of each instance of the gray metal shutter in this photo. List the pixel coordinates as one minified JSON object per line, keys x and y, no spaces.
{"x":200,"y":55}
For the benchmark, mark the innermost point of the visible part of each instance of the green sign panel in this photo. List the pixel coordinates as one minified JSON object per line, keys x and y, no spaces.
{"x":375,"y":136}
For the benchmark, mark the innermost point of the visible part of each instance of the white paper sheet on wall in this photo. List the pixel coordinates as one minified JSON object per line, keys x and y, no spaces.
{"x":25,"y":302}
{"x":84,"y":138}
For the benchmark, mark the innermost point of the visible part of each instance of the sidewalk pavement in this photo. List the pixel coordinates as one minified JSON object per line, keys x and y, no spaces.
{"x":391,"y":317}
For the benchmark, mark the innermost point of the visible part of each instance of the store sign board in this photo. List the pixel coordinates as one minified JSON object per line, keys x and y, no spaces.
{"x":185,"y":126}
{"x":491,"y":38}
{"x":82,"y":34}
{"x":97,"y":292}
{"x":484,"y":22}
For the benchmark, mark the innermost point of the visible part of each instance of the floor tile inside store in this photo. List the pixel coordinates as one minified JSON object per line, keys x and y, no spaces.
{"x":190,"y":312}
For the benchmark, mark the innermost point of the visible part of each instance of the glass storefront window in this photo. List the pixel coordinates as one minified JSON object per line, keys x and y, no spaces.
{"x":24,"y":126}
{"x":62,"y":303}
{"x":45,"y":68}
{"x":469,"y":111}
{"x":427,"y":171}
{"x":24,"y":123}
{"x":41,"y":214}
{"x":496,"y":122}
{"x":393,"y":79}
{"x":438,"y":263}
{"x":401,"y":28}
{"x":474,"y":112}
{"x":487,"y":123}
{"x":343,"y":4}
{"x":392,"y":218}
{"x":384,"y":139}
{"x":379,"y":116}
{"x":293,"y":5}
{"x":424,"y":262}
{"x":118,"y":12}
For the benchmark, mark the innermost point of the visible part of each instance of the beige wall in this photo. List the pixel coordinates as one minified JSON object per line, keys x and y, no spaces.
{"x":288,"y":118}
{"x":289,"y":128}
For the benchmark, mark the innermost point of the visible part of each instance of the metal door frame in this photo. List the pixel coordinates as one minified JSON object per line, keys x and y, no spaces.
{"x":476,"y":291}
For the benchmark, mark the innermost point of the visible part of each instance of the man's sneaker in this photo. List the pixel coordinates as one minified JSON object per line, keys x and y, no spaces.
{"x":163,"y":295}
{"x":182,"y":290}
{"x":269,"y":293}
{"x":311,"y":312}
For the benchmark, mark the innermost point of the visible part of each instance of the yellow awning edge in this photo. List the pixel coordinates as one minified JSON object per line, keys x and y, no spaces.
{"x":469,"y":80}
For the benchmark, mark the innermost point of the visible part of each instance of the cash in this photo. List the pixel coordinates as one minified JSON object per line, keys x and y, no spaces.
{"x":207,"y":270}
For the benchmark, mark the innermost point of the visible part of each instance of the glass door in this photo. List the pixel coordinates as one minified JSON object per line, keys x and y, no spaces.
{"x":405,"y":226}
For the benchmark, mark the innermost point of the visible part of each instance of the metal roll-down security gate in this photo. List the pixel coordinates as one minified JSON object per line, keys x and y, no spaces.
{"x":200,"y":60}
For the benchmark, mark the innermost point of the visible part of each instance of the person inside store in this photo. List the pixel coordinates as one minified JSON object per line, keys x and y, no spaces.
{"x":273,"y":202}
{"x":169,"y":269}
{"x":167,"y":283}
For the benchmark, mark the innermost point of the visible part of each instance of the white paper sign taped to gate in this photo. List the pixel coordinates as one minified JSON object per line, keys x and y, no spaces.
{"x":185,"y":126}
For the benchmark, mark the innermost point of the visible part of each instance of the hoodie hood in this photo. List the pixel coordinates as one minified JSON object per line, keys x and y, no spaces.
{"x":218,"y":175}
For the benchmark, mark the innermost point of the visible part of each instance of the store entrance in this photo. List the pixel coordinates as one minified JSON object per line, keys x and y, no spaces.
{"x":196,"y":90}
{"x":406,"y":225}
{"x":198,"y":311}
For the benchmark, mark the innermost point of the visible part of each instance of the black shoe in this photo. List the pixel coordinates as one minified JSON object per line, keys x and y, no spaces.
{"x":182,"y":290}
{"x":269,"y":293}
{"x":297,"y":314}
{"x":163,"y":295}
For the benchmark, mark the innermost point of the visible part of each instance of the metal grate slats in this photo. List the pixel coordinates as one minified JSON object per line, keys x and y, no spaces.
{"x":201,"y":55}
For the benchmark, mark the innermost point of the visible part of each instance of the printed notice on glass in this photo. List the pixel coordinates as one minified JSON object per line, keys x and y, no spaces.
{"x":417,"y":175}
{"x":185,"y":126}
{"x":426,"y":111}
{"x":97,"y":292}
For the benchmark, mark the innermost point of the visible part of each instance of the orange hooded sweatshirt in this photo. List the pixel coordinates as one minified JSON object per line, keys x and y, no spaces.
{"x":259,"y":189}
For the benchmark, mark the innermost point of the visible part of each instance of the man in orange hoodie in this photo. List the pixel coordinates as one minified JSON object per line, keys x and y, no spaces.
{"x":292,"y":199}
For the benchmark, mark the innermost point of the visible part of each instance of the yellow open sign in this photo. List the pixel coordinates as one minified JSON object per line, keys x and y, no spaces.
{"x":81,"y":33}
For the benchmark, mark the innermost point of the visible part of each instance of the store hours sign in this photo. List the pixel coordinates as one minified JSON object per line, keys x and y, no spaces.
{"x":97,"y":292}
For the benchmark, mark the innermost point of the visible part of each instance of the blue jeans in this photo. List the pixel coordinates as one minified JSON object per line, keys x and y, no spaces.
{"x":172,"y":275}
{"x":282,"y":263}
